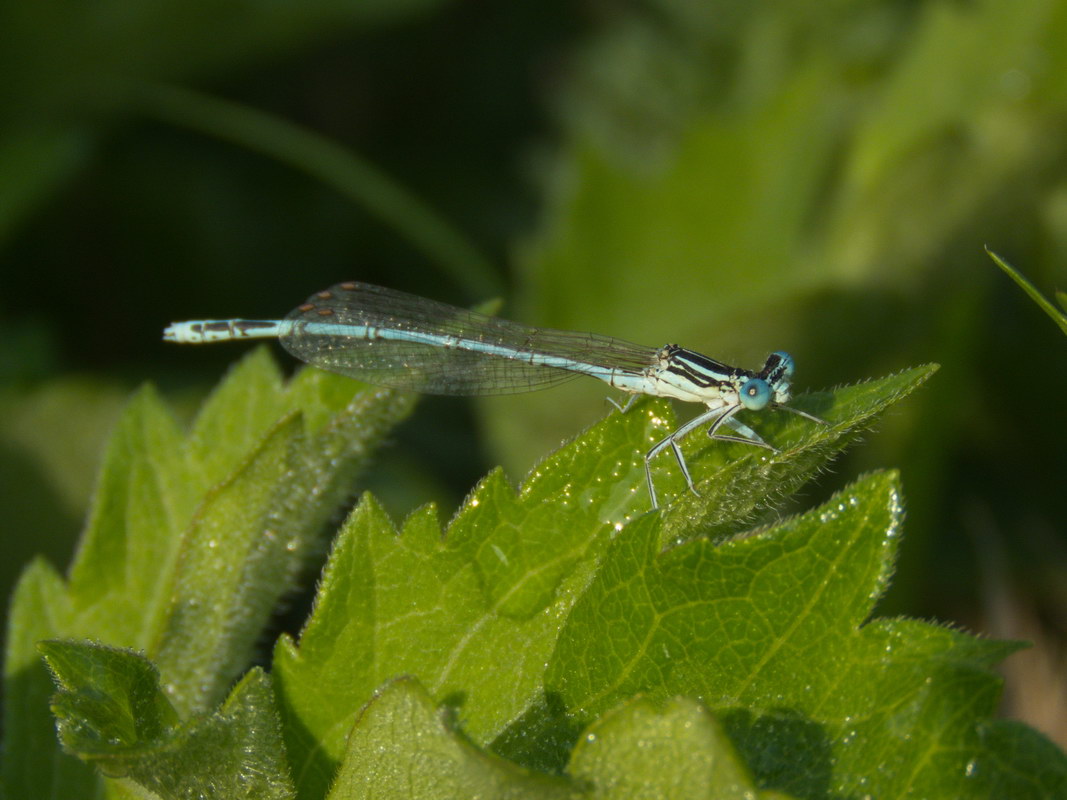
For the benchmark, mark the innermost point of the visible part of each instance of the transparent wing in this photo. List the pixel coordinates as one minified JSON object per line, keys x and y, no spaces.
{"x":396,"y":339}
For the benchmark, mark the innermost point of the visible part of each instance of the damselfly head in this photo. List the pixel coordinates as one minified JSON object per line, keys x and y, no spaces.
{"x":777,"y":372}
{"x":779,"y":366}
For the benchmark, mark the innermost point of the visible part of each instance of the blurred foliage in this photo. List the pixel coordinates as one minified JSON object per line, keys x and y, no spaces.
{"x":1046,"y":305}
{"x":737,"y":178}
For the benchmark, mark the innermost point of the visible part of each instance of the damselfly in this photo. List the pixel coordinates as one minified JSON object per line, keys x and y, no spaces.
{"x":395,"y":339}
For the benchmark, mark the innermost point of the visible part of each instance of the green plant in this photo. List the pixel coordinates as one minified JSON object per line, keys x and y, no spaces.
{"x":555,"y":641}
{"x":1042,"y":302}
{"x":790,"y":175}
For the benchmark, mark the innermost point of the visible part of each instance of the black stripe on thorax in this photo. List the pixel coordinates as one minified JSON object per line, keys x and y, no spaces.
{"x":699,"y":369}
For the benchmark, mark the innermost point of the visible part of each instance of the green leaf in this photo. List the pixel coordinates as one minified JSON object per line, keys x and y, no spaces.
{"x":1043,"y":303}
{"x":430,"y":606}
{"x":497,"y":585}
{"x":112,"y":711}
{"x":402,"y":748}
{"x":773,"y":632}
{"x":192,"y":540}
{"x":450,"y":608}
{"x":673,"y":749}
{"x":109,"y":700}
{"x":737,"y":480}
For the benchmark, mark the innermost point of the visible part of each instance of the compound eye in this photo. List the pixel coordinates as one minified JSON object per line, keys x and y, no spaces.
{"x":755,"y":394}
{"x":785,"y":364}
